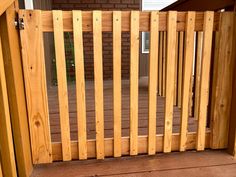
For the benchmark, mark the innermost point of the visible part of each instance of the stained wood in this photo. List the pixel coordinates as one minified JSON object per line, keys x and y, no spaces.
{"x":1,"y":173}
{"x":98,"y":82}
{"x":16,"y":91}
{"x":160,"y":64}
{"x":134,"y":67}
{"x":6,"y":142}
{"x":164,"y":63}
{"x":198,"y":73}
{"x":170,"y":63}
{"x":223,"y":82}
{"x":205,"y":78}
{"x":176,"y":69}
{"x":62,"y":84}
{"x":4,"y":5}
{"x":142,"y":141}
{"x":188,"y":65}
{"x":180,"y":68}
{"x":107,"y":21}
{"x":152,"y":83}
{"x":80,"y":84}
{"x":117,"y":81}
{"x":35,"y":86}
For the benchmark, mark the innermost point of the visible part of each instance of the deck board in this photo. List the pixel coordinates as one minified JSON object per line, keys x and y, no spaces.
{"x":108,"y":112}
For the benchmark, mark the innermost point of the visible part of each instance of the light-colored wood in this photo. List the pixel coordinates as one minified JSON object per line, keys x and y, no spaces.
{"x":62,"y":84}
{"x":223,"y":82}
{"x":16,"y":91}
{"x":176,"y":69}
{"x":198,"y":73}
{"x":107,"y":21}
{"x":160,"y":64}
{"x":188,"y":65}
{"x":98,"y":83}
{"x":117,"y":81}
{"x":205,"y":78}
{"x":180,"y":68}
{"x":170,"y":63}
{"x":80,"y":84}
{"x":152,"y":83}
{"x":1,"y":172}
{"x":190,"y":103}
{"x":35,"y":86}
{"x":4,"y":5}
{"x":6,"y":142}
{"x":134,"y":67}
{"x":164,"y":63}
{"x":142,"y":141}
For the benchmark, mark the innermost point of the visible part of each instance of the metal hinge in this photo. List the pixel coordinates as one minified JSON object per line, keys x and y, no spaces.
{"x":19,"y":23}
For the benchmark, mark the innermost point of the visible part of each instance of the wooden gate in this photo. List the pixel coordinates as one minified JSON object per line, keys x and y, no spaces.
{"x":172,"y":54}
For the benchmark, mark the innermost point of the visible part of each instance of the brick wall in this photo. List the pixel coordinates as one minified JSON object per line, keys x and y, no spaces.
{"x":107,"y":36}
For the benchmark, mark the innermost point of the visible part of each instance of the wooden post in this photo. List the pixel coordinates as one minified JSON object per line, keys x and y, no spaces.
{"x":222,"y":83}
{"x":16,"y":92}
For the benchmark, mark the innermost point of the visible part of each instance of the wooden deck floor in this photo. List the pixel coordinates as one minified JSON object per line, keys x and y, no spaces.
{"x":108,"y":111}
{"x":187,"y":164}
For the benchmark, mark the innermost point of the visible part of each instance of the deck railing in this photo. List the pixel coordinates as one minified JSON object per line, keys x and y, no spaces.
{"x":170,"y":74}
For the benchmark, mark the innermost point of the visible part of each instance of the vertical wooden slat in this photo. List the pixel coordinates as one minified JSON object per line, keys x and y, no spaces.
{"x":134,"y":66}
{"x":160,"y":63}
{"x":98,"y":83}
{"x":1,"y":173}
{"x":164,"y":63}
{"x":205,"y":78}
{"x":176,"y":69}
{"x":223,"y":82}
{"x":180,"y":68}
{"x":153,"y":71}
{"x":198,"y":73}
{"x":170,"y":63}
{"x":80,"y":84}
{"x":35,"y":86}
{"x":188,"y":65}
{"x":6,"y":142}
{"x":62,"y":84}
{"x":117,"y":81}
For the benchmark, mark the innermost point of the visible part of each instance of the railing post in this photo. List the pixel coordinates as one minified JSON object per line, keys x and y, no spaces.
{"x":222,"y":83}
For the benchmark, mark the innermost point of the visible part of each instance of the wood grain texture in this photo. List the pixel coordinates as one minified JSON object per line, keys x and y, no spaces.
{"x":176,"y":69}
{"x":1,"y":172}
{"x":198,"y":73}
{"x":134,"y":74}
{"x":170,"y":63}
{"x":107,"y":21}
{"x":117,"y":81}
{"x":4,"y":5}
{"x":6,"y":142}
{"x":35,"y":86}
{"x":205,"y":79}
{"x":152,"y":83}
{"x":180,"y":68}
{"x":16,"y":91}
{"x":98,"y":83}
{"x":142,"y":141}
{"x":62,"y":84}
{"x":164,"y":63}
{"x":188,"y":65}
{"x":80,"y":83}
{"x":160,"y":64}
{"x":223,"y":82}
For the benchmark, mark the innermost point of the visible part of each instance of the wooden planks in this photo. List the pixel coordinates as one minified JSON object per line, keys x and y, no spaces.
{"x":205,"y":78}
{"x":98,"y":83}
{"x":62,"y":84}
{"x":6,"y":142}
{"x":223,"y":82}
{"x":1,"y":172}
{"x":117,"y":81}
{"x":153,"y":71}
{"x":35,"y":86}
{"x":160,"y":64}
{"x":188,"y":65}
{"x":164,"y":63}
{"x":134,"y":68}
{"x":107,"y":21}
{"x":80,"y":84}
{"x":142,"y":141}
{"x":171,"y":42}
{"x":4,"y":5}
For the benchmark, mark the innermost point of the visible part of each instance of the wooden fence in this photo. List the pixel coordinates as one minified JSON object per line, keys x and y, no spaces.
{"x":177,"y":35}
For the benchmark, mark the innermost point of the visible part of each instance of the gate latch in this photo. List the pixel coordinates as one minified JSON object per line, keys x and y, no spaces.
{"x":19,"y":23}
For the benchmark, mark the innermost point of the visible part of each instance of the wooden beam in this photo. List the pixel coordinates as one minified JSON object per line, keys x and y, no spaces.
{"x":4,"y":5}
{"x":144,"y":21}
{"x":16,"y":91}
